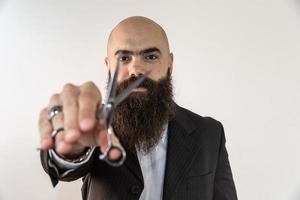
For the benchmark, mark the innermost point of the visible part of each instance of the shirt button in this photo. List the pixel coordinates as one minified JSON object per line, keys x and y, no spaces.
{"x":136,"y":189}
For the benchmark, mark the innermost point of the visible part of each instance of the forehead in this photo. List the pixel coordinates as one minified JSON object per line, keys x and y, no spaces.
{"x":136,"y":39}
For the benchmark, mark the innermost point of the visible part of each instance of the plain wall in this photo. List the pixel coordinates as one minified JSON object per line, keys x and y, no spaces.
{"x":237,"y":61}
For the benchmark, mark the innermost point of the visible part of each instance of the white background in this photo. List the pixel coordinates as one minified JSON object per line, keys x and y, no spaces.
{"x":235,"y":60}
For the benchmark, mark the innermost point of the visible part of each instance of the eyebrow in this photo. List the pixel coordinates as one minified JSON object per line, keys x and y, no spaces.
{"x":144,"y":51}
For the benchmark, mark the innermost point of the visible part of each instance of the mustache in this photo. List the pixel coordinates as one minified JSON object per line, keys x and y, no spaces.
{"x":148,"y":83}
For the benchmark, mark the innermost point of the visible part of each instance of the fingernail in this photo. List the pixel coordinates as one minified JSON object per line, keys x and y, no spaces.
{"x":86,"y":124}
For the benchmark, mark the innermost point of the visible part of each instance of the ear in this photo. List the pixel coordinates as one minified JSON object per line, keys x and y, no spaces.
{"x":106,"y":60}
{"x":170,"y":62}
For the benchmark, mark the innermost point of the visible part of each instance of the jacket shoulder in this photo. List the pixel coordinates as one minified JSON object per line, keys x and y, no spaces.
{"x":190,"y":120}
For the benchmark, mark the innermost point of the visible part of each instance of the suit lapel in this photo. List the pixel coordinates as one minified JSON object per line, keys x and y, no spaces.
{"x":181,"y":150}
{"x":180,"y":153}
{"x":132,"y":164}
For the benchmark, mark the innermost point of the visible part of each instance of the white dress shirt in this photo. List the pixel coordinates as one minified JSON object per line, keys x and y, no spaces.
{"x":153,"y":169}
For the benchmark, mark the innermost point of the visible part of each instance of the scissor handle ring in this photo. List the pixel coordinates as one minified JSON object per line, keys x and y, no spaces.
{"x":110,"y":147}
{"x":113,"y":163}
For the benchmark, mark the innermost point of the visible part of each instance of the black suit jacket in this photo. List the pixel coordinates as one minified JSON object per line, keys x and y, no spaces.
{"x":197,"y":166}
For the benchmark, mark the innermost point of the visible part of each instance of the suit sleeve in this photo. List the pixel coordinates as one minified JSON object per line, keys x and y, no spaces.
{"x":58,"y":173}
{"x":224,"y":188}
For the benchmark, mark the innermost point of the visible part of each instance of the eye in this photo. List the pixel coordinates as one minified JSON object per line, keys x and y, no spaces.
{"x":151,"y":57}
{"x":124,"y":58}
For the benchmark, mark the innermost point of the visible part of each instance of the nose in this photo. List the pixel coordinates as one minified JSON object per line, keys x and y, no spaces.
{"x":136,"y":67}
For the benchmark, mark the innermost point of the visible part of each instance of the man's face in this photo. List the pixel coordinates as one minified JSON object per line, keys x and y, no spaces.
{"x":140,"y":48}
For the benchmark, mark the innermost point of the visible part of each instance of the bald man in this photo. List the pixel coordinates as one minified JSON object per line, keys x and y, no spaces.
{"x":172,"y":153}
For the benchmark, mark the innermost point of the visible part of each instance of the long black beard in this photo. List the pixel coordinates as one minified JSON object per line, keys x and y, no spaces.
{"x":139,"y":120}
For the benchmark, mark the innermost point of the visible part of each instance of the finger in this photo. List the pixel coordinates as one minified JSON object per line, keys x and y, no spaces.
{"x":69,"y":99}
{"x":89,"y":100}
{"x":115,"y":154}
{"x":57,"y":121}
{"x":54,"y":100}
{"x":45,"y":129}
{"x":62,"y":147}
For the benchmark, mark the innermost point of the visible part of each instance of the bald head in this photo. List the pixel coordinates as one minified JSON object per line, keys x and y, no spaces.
{"x":140,"y":45}
{"x":139,"y":28}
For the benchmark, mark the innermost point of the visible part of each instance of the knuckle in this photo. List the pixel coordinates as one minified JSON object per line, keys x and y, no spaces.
{"x":90,"y":84}
{"x":55,"y":98}
{"x":69,"y":87}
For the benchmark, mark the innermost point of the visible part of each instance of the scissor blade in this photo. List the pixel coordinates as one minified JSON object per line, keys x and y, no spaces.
{"x":128,"y":90}
{"x":112,"y":89}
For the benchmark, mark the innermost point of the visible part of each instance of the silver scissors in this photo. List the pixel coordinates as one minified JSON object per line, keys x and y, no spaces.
{"x":106,"y":113}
